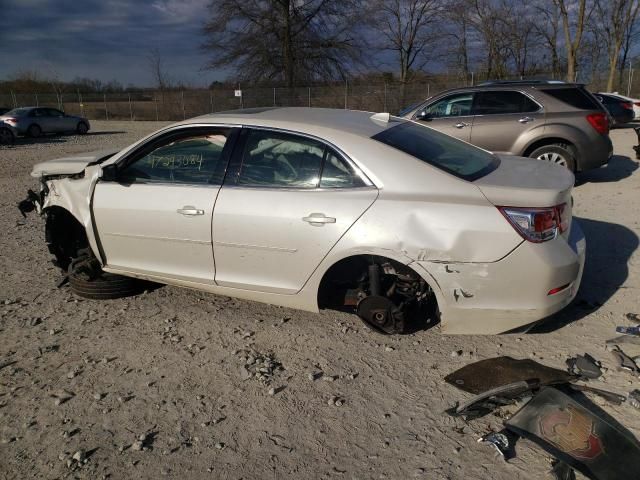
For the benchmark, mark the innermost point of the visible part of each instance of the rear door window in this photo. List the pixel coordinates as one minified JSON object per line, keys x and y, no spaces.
{"x":274,"y":159}
{"x":501,"y":102}
{"x":575,"y":97}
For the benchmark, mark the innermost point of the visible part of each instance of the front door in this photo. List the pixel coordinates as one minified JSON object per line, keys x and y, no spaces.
{"x":450,"y":115}
{"x":156,"y":218}
{"x":501,"y":117}
{"x":291,"y":200}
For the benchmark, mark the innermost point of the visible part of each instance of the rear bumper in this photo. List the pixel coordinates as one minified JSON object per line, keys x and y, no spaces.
{"x":594,"y":154}
{"x":497,"y":297}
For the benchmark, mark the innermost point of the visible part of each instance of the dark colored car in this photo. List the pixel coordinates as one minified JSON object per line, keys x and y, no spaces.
{"x":621,"y":110}
{"x":553,"y":121}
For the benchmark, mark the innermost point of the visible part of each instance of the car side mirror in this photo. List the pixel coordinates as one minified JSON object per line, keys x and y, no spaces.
{"x":423,"y":115}
{"x":110,"y":173}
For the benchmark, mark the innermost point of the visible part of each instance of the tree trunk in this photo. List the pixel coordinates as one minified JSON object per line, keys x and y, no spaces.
{"x":287,"y":53}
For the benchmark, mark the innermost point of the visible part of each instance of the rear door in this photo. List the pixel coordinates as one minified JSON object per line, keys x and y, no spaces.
{"x":501,"y":116}
{"x":156,"y":217}
{"x":285,"y":203}
{"x":451,"y":115}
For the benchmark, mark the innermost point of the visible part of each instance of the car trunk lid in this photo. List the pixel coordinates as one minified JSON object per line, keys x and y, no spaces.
{"x":529,"y":183}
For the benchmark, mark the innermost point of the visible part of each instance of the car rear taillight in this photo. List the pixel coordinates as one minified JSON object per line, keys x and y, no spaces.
{"x":537,"y":224}
{"x":637,"y":104}
{"x":599,"y":121}
{"x":11,"y":120}
{"x":627,"y":105}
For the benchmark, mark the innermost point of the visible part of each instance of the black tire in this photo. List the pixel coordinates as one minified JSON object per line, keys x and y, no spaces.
{"x":558,"y":153}
{"x":82,"y":128}
{"x":6,"y":136}
{"x":34,"y":131}
{"x":88,"y":280}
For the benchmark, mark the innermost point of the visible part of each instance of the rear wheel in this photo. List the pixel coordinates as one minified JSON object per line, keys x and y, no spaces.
{"x":88,"y":280}
{"x":557,"y":153}
{"x":82,"y":128}
{"x":34,"y":131}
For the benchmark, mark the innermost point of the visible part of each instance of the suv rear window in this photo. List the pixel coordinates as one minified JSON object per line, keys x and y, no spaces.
{"x":442,"y":151}
{"x":576,"y":97}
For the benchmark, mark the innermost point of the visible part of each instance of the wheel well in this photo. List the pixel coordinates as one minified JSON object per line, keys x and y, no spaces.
{"x":350,"y":272}
{"x":64,"y":235}
{"x":547,"y":141}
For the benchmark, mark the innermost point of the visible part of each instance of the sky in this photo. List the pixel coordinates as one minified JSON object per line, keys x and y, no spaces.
{"x":104,"y":39}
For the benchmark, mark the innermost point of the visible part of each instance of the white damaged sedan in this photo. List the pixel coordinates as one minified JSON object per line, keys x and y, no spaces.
{"x":320,"y":208}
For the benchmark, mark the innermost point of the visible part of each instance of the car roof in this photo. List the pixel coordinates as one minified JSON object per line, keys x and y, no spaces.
{"x":315,"y":121}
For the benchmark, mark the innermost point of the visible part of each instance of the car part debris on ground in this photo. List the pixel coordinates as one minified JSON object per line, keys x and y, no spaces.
{"x":625,"y":362}
{"x":503,"y":441}
{"x":584,"y":366}
{"x":556,"y":415}
{"x":628,"y":330}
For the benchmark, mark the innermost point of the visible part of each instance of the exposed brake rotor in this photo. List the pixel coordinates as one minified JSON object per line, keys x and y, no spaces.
{"x":381,"y":314}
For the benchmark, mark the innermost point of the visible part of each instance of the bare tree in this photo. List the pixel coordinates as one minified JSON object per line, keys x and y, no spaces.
{"x":284,"y":40}
{"x":158,"y":72}
{"x":573,"y":30}
{"x":630,"y":37}
{"x":404,"y":27}
{"x":616,"y":18}
{"x":548,"y":29}
{"x":457,"y":15}
{"x":488,"y":19}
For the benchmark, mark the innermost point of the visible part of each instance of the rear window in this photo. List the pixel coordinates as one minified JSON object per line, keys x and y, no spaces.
{"x":576,"y":97}
{"x":18,"y":112}
{"x":442,"y":151}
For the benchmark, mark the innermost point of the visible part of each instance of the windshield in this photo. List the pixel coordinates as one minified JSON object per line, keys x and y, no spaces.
{"x":442,"y":151}
{"x":18,"y":112}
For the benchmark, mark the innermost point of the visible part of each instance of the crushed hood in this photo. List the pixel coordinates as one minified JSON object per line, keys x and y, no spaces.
{"x":71,"y":165}
{"x":526,"y":182}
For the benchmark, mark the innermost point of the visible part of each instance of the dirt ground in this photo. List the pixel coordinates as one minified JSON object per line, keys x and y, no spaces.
{"x":155,"y":385}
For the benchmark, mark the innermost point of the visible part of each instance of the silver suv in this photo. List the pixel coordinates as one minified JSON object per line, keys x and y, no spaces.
{"x":553,"y":121}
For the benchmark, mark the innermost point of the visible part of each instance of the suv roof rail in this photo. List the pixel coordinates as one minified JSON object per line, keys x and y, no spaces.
{"x":521,"y":82}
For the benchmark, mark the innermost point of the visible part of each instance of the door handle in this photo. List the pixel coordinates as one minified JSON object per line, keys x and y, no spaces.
{"x":318,"y":219}
{"x":526,"y":120}
{"x":461,"y":125}
{"x":190,"y":211}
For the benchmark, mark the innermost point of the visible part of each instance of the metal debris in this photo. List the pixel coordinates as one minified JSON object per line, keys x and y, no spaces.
{"x":625,"y":362}
{"x":503,"y":441}
{"x":584,"y":366}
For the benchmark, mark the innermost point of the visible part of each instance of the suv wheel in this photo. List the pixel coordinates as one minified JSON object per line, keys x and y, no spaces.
{"x":557,"y":153}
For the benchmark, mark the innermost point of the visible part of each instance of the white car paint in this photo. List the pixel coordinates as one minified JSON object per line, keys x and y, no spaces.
{"x":262,"y":245}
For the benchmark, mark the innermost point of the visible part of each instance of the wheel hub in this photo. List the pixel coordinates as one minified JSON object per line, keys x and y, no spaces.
{"x":381,"y":314}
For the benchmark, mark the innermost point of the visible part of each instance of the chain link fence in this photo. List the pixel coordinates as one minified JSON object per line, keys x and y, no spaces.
{"x":178,"y":105}
{"x":181,"y":104}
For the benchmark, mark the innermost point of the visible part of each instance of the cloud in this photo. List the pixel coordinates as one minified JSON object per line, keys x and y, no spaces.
{"x":106,"y":39}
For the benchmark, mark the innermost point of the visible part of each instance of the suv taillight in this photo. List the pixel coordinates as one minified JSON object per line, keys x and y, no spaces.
{"x":537,"y":224}
{"x":600,"y":122}
{"x":10,"y":120}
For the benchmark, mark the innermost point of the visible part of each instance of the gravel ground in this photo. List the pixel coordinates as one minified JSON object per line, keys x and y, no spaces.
{"x":157,"y":385}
